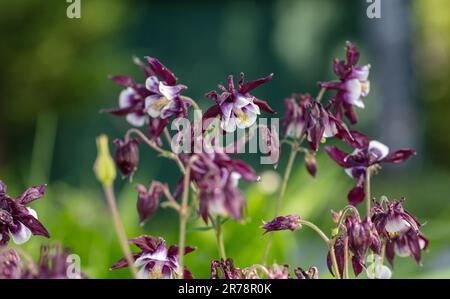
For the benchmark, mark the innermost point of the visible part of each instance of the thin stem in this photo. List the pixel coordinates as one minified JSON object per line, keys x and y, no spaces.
{"x":184,"y":213}
{"x":321,"y":94}
{"x":316,"y":229}
{"x":367,"y":191}
{"x":346,"y":256}
{"x":333,"y":259}
{"x":287,"y":174}
{"x":219,"y":238}
{"x":111,"y":199}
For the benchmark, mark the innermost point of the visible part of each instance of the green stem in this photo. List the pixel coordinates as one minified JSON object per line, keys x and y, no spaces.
{"x":184,"y":213}
{"x":287,"y":174}
{"x":219,"y":238}
{"x":367,"y":191}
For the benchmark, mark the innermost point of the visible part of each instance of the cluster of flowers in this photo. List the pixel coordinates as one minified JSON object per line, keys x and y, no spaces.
{"x":386,"y":230}
{"x":19,"y":221}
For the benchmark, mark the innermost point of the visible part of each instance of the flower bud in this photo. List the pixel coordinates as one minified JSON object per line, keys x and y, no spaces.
{"x":127,"y":156}
{"x":289,"y":222}
{"x":310,"y":163}
{"x":104,"y":165}
{"x":148,"y":200}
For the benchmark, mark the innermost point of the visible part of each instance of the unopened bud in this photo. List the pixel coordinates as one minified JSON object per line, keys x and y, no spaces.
{"x":104,"y":165}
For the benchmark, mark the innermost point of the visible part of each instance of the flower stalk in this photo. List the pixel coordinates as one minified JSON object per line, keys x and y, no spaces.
{"x":184,"y":215}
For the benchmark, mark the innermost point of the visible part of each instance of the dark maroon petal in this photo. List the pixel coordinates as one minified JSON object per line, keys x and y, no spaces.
{"x":310,"y":163}
{"x":399,"y":155}
{"x":249,"y":86}
{"x":263,"y":105}
{"x":146,"y":243}
{"x":156,"y":126}
{"x":360,"y":140}
{"x":212,"y":112}
{"x":337,"y":155}
{"x":31,"y":194}
{"x":123,"y":262}
{"x":414,"y":247}
{"x":350,"y":113}
{"x":390,"y":252}
{"x":2,"y":188}
{"x":124,"y":81}
{"x":187,"y":274}
{"x":173,"y":250}
{"x":357,"y":266}
{"x":119,"y":111}
{"x":352,"y":54}
{"x":161,"y":71}
{"x":356,"y":196}
{"x":34,"y":225}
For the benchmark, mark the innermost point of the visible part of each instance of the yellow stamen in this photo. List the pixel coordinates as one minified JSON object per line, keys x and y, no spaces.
{"x":160,"y":103}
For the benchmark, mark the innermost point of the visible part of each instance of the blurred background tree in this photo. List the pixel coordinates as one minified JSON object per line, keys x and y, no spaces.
{"x":53,"y":82}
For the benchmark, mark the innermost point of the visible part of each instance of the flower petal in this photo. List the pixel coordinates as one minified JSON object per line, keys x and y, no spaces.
{"x":31,"y":194}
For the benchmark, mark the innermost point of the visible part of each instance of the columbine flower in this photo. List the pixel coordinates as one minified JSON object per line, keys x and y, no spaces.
{"x":352,"y":86}
{"x":155,"y":260}
{"x":165,"y":100}
{"x":217,"y":177}
{"x":127,"y":156}
{"x":339,"y":252}
{"x":361,"y":236}
{"x":305,"y":117}
{"x":148,"y":200}
{"x":400,"y":228}
{"x":279,"y":272}
{"x":17,"y":219}
{"x":153,"y":103}
{"x":312,"y":273}
{"x":366,"y":154}
{"x":237,"y":107}
{"x":289,"y":222}
{"x":10,"y":265}
{"x":225,"y":270}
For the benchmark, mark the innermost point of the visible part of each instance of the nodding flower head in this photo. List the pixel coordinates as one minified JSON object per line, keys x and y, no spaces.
{"x":17,"y":219}
{"x":237,"y":107}
{"x":353,"y":83}
{"x":225,"y":269}
{"x":152,"y":103}
{"x":366,"y":154}
{"x":127,"y":156}
{"x":289,"y":222}
{"x":217,"y":177}
{"x":155,"y":260}
{"x":307,"y":118}
{"x":148,"y":199}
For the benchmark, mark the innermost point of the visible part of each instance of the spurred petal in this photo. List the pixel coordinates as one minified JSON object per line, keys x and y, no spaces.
{"x":263,"y":105}
{"x":31,"y":194}
{"x":249,"y":86}
{"x":337,"y":155}
{"x":125,"y":81}
{"x":399,"y":155}
{"x":161,"y":71}
{"x":123,"y":262}
{"x":34,"y":225}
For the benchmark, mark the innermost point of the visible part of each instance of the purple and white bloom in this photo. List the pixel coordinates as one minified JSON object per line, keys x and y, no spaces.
{"x":17,"y":219}
{"x":164,"y":100}
{"x":366,"y":154}
{"x":127,"y":156}
{"x":289,"y":222}
{"x":237,"y":107}
{"x":217,"y":177}
{"x":305,"y":117}
{"x":10,"y":265}
{"x":352,"y":86}
{"x":155,"y":260}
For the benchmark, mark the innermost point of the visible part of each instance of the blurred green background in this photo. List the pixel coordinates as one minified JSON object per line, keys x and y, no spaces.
{"x":53,"y":82}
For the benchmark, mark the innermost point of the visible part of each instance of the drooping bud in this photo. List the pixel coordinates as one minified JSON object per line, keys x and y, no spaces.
{"x":310,"y":163}
{"x":104,"y":165}
{"x":127,"y":156}
{"x":148,"y":200}
{"x":289,"y":222}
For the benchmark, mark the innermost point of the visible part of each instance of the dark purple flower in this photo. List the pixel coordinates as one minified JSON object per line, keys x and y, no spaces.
{"x":217,"y":177}
{"x":127,"y":156}
{"x":148,"y":200}
{"x":362,"y":235}
{"x":237,"y":107}
{"x":153,"y":103}
{"x":353,"y":84}
{"x":54,"y":263}
{"x":10,"y":265}
{"x":155,"y":260}
{"x":391,"y":218}
{"x":406,"y":243}
{"x":312,"y":273}
{"x":225,"y":270}
{"x":17,"y":219}
{"x":339,"y":252}
{"x":366,"y":154}
{"x":305,"y":117}
{"x":289,"y":222}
